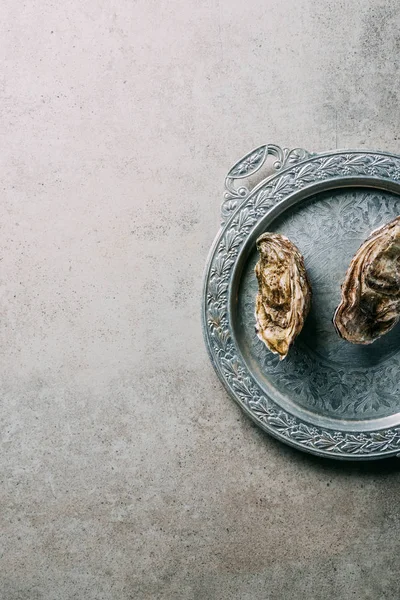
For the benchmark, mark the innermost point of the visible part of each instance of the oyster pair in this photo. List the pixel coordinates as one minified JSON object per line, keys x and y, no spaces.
{"x":370,"y":302}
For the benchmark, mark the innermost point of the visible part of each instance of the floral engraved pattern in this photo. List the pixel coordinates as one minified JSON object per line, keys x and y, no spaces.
{"x":228,"y":360}
{"x":250,"y":164}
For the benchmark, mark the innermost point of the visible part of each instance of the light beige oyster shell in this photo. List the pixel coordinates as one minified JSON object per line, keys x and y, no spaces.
{"x":370,"y":304}
{"x":284,"y":292}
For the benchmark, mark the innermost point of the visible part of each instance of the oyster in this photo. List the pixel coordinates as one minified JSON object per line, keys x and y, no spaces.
{"x":370,"y":304}
{"x":284,"y":292}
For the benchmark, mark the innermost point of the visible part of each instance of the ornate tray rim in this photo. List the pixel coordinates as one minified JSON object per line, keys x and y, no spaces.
{"x":296,"y":172}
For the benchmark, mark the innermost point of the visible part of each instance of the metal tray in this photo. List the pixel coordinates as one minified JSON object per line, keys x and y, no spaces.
{"x":329,"y":397}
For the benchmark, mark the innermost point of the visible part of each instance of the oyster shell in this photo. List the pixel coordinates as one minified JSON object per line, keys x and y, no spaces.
{"x":284,"y":292}
{"x":370,"y":304}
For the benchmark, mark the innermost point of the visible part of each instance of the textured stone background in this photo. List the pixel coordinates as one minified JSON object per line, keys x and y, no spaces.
{"x":126,"y":471}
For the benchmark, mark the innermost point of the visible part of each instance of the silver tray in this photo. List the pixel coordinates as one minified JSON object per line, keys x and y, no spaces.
{"x":329,"y":397}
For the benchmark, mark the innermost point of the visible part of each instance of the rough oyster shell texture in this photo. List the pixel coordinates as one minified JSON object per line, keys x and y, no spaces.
{"x":370,"y":304}
{"x":284,"y":292}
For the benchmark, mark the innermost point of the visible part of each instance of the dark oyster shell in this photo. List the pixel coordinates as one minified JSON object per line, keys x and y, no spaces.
{"x":370,"y":304}
{"x":284,"y":295}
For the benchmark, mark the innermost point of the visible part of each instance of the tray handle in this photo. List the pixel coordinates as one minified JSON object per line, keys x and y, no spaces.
{"x":251,"y":164}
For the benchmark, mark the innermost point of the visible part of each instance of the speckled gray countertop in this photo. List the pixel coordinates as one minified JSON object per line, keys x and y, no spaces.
{"x":126,"y":471}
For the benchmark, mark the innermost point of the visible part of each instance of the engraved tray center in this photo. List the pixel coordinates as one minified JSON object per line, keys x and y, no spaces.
{"x":323,"y":373}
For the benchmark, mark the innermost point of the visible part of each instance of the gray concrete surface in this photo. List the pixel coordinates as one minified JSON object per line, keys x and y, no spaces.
{"x":126,"y":471}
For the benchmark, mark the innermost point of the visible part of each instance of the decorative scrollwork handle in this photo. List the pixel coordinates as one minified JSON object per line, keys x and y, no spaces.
{"x":247,"y":166}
